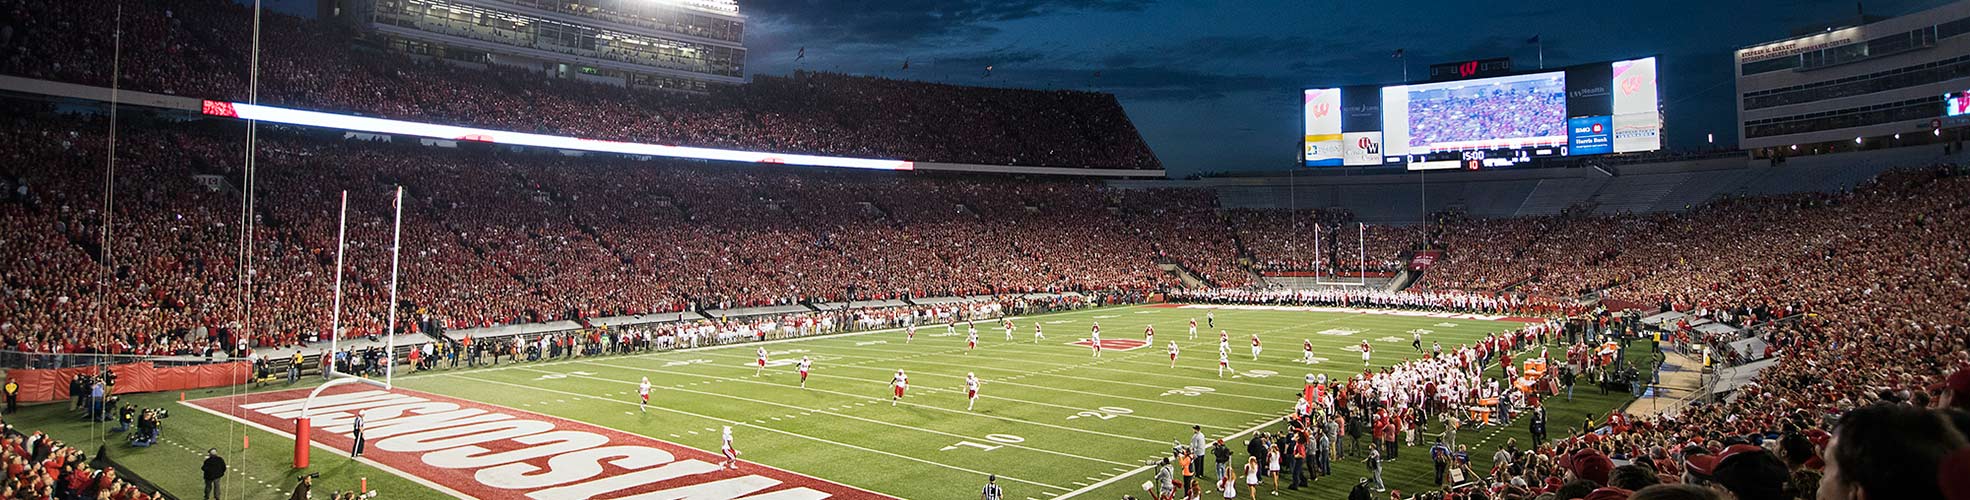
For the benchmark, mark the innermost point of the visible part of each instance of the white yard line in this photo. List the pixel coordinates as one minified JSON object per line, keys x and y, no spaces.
{"x":988,"y":382}
{"x":1014,"y":384}
{"x":903,"y":403}
{"x":852,"y":417}
{"x":764,"y":428}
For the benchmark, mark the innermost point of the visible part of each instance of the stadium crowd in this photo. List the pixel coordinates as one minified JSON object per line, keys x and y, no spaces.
{"x":1859,"y":293}
{"x":492,"y":238}
{"x":41,"y":467}
{"x":203,"y":49}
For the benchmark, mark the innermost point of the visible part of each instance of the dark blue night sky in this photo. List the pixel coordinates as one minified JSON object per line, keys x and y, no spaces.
{"x":1215,"y":85}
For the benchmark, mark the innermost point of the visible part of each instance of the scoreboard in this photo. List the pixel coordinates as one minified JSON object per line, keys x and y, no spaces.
{"x":1479,"y":114}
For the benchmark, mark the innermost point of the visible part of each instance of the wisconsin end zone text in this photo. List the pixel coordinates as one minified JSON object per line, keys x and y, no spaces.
{"x":494,"y":452}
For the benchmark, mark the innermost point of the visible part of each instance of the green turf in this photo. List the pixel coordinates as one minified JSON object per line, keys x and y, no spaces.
{"x":264,"y":471}
{"x":1051,"y":419}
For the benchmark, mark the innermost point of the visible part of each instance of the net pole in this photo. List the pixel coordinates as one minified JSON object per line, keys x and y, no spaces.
{"x":390,"y":339}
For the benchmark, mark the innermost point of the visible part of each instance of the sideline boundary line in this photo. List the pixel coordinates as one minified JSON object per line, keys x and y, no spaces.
{"x":372,"y":463}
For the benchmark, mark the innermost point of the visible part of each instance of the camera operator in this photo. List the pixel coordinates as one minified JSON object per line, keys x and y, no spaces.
{"x":301,"y":488}
{"x":124,"y":417}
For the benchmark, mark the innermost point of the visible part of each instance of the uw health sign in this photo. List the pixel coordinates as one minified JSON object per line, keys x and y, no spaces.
{"x":475,"y":450}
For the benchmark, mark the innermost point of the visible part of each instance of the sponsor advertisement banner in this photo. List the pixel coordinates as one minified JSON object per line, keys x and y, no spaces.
{"x":1589,"y":135}
{"x":1361,"y":148}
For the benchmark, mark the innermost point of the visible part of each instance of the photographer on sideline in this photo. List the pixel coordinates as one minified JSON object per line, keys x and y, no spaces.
{"x":301,"y":488}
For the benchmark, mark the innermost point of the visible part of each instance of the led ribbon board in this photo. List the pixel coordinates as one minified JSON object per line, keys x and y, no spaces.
{"x":387,"y":126}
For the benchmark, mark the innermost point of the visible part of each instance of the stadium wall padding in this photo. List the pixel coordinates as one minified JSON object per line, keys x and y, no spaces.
{"x":52,"y":384}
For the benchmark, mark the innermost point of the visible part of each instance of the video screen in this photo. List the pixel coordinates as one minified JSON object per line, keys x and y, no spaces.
{"x":1495,"y":113}
{"x":1956,"y":104}
{"x":1499,"y":121}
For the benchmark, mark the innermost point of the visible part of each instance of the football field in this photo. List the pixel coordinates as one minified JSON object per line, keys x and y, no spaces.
{"x":1051,"y":421}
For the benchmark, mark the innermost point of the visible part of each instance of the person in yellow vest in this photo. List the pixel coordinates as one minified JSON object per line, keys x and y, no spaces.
{"x":294,"y":368}
{"x":13,"y":396}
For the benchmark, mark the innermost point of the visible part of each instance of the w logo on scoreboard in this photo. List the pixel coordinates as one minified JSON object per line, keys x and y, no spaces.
{"x":1467,"y":69}
{"x":1630,"y":85}
{"x":1319,"y":109}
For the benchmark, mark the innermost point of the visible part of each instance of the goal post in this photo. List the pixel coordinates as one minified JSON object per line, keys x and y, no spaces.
{"x":303,"y":439}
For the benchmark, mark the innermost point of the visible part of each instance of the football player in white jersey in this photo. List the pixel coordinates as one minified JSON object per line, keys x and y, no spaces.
{"x":1193,"y":328}
{"x":805,"y":365}
{"x":1096,"y":344}
{"x":971,"y":341}
{"x":731,"y":454}
{"x":1255,"y":347}
{"x":970,"y":390}
{"x":762,"y":362}
{"x":644,"y":390}
{"x":1173,"y":354}
{"x":899,"y":383}
{"x":1224,"y":361}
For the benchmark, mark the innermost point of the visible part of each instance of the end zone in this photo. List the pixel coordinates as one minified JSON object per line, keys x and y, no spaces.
{"x":473,"y":450}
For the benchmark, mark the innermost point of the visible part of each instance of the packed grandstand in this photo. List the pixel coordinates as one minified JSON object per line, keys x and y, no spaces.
{"x":1858,"y":294}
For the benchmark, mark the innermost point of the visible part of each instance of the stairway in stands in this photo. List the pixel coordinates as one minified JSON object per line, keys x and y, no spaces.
{"x":1554,"y":195}
{"x":1635,"y":194}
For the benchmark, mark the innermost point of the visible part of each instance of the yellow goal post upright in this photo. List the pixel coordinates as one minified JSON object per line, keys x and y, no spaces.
{"x":332,"y":370}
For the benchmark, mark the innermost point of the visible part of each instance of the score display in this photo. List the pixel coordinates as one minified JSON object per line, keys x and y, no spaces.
{"x":1487,"y":122}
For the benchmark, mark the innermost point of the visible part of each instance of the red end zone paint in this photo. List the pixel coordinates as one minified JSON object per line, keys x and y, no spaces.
{"x":489,"y":451}
{"x":1113,"y":344}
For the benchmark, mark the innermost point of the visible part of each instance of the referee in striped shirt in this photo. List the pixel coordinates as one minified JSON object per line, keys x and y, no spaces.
{"x":992,"y":491}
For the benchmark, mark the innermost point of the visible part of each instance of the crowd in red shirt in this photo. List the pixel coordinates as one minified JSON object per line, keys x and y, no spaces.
{"x":204,"y":49}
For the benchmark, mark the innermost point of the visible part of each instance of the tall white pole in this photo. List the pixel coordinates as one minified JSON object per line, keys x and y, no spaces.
{"x":335,"y":320}
{"x":390,"y":337}
{"x":1316,"y":253}
{"x":1361,"y":245}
